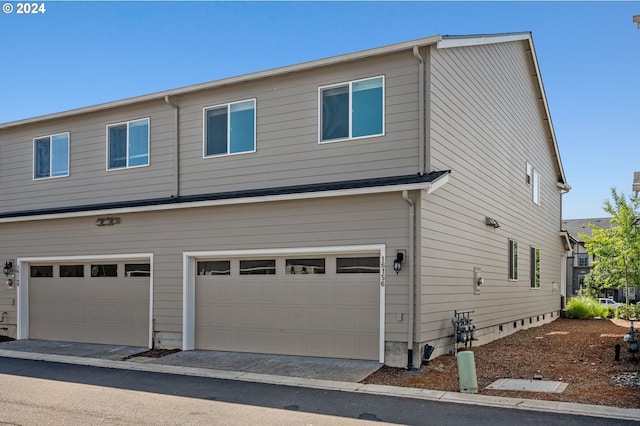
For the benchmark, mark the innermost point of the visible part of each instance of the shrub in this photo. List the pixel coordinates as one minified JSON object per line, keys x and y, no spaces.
{"x":628,"y":312}
{"x":582,"y":307}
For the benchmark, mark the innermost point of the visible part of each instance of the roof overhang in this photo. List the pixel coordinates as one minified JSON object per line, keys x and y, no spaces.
{"x":428,"y":183}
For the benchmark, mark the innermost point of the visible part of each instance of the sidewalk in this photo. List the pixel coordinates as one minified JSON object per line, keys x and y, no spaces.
{"x":279,"y":370}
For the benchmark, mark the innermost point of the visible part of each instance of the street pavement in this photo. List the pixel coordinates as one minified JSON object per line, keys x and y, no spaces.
{"x":103,"y":367}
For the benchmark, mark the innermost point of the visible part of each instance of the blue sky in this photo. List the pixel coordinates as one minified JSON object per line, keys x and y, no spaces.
{"x":83,"y":53}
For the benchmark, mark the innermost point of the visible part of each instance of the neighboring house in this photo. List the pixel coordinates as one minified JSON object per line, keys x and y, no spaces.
{"x":581,"y":262}
{"x":265,"y":212}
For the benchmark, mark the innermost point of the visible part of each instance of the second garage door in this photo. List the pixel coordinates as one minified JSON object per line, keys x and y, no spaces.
{"x":326,"y":306}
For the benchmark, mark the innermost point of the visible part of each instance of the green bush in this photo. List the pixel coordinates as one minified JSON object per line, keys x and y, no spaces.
{"x":628,"y":312}
{"x":582,"y":307}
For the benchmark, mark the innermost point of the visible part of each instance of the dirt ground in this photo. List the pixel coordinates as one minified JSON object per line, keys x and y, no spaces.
{"x":580,"y":353}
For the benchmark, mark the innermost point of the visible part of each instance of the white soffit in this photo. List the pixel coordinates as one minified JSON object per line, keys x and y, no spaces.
{"x":461,"y":41}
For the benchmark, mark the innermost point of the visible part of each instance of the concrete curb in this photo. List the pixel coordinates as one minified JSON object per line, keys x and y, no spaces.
{"x":424,"y":394}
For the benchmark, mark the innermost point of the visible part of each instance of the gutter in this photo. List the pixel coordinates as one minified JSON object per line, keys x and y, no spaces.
{"x":176,"y":145}
{"x":421,"y":118}
{"x":412,"y":278}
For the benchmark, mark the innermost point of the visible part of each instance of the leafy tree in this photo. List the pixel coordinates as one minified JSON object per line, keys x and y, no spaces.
{"x":616,"y":250}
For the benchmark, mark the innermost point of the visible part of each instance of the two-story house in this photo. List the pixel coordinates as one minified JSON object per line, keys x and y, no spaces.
{"x":343,"y":207}
{"x":580,"y":263}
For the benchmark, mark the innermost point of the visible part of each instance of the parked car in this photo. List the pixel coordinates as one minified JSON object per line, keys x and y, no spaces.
{"x":607,"y":301}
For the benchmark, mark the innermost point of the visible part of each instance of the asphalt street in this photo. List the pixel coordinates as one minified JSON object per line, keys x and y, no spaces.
{"x":271,"y":404}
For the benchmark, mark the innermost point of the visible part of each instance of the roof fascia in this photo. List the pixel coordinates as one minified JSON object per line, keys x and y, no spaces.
{"x":231,"y":80}
{"x":478,"y":40}
{"x":428,"y":186}
{"x":461,"y":41}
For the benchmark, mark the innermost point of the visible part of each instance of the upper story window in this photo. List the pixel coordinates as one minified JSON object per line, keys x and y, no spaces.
{"x":352,"y":110}
{"x":533,"y":180}
{"x":128,"y":144}
{"x":583,"y":259}
{"x":51,"y":156}
{"x":230,"y":128}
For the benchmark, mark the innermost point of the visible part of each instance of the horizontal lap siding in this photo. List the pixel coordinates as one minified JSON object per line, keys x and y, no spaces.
{"x":88,"y":182}
{"x":486,"y":123}
{"x":339,"y":221}
{"x":287,"y":148}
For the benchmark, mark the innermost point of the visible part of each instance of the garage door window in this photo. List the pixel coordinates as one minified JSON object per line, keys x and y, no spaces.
{"x":258,"y":267}
{"x":214,"y":267}
{"x":137,"y":270}
{"x":305,"y":266}
{"x":104,"y":270}
{"x":42,"y":271}
{"x":68,"y":271}
{"x":358,"y":265}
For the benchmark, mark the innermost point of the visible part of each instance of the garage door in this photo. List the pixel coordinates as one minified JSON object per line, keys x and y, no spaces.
{"x":97,"y":302}
{"x":325,"y":306}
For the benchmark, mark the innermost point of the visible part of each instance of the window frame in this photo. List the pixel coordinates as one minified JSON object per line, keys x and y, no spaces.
{"x":350,"y":86}
{"x":581,"y":256}
{"x":513,"y":260}
{"x":535,"y":272}
{"x":228,"y":106}
{"x":535,"y":185}
{"x":50,"y":137}
{"x":127,"y":157}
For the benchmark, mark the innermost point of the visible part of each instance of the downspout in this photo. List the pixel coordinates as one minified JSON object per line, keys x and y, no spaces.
{"x":176,"y":165}
{"x":412,"y":283}
{"x":421,"y":117}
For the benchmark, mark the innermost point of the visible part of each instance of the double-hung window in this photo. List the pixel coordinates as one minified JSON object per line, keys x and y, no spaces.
{"x":352,"y":110}
{"x":128,"y":144}
{"x":230,"y":128}
{"x":51,"y":156}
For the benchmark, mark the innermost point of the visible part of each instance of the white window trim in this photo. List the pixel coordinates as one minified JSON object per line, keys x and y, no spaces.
{"x":350,"y":84}
{"x":535,"y":185}
{"x":189,"y":261}
{"x":532,"y":278}
{"x":127,"y":166}
{"x":228,"y":106}
{"x":33,"y":175}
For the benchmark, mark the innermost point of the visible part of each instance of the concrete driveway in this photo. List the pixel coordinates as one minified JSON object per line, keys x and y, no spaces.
{"x":342,"y":370}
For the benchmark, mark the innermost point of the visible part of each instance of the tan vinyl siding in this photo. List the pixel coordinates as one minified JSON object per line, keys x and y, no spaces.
{"x":88,"y":182}
{"x":486,"y":123}
{"x":287,"y":148}
{"x":339,"y":221}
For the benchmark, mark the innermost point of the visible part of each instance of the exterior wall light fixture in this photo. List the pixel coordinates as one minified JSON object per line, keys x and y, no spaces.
{"x":397,"y":263}
{"x":8,"y":271}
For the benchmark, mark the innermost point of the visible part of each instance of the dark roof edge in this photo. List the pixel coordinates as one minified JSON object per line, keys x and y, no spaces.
{"x":235,"y":195}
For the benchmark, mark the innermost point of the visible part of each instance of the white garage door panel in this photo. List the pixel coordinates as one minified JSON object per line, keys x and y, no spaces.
{"x":91,"y":310}
{"x":329,"y":315}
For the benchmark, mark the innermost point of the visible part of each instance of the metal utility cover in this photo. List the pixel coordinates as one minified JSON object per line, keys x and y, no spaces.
{"x":528,"y":385}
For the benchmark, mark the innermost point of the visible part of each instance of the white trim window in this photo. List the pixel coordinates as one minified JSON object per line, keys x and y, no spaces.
{"x":535,"y":267}
{"x":230,"y":128}
{"x":533,"y":181}
{"x":51,"y":156}
{"x":128,"y":144}
{"x":351,"y":110}
{"x":513,"y":260}
{"x":536,"y":187}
